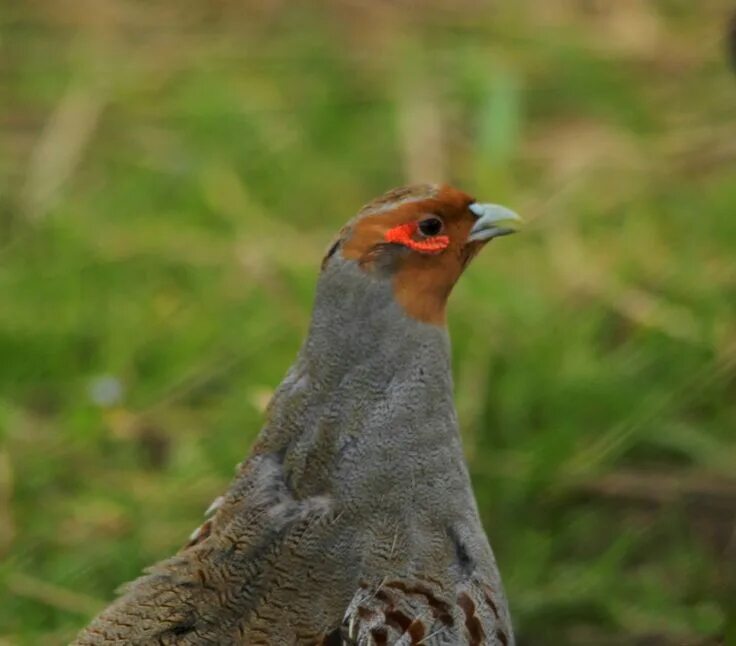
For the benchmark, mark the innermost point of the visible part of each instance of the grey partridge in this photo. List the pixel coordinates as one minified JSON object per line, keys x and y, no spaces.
{"x":353,"y":520}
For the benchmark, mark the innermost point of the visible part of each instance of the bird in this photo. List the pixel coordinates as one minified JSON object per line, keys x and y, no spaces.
{"x":352,"y":521}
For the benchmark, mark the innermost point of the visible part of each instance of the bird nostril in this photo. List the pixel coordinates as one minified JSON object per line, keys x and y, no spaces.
{"x":476,"y":209}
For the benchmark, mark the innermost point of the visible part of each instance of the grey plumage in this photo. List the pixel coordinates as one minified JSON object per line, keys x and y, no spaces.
{"x":353,"y":520}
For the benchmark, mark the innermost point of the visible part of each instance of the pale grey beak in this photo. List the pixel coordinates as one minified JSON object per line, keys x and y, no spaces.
{"x":493,"y":221}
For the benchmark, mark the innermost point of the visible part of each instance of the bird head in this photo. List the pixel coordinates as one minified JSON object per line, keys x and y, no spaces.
{"x":421,"y":238}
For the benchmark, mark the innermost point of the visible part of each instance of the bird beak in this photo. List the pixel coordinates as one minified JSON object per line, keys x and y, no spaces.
{"x":493,"y":221}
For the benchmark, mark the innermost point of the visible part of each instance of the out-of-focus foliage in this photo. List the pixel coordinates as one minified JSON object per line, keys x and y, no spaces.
{"x":170,"y":175}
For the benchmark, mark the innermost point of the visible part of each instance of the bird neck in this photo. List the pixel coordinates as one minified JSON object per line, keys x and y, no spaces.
{"x":358,"y":326}
{"x":369,"y":394}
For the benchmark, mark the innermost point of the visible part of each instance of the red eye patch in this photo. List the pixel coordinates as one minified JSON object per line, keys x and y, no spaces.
{"x":402,"y":234}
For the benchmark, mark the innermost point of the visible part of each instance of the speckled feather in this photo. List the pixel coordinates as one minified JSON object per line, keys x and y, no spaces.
{"x":353,"y":520}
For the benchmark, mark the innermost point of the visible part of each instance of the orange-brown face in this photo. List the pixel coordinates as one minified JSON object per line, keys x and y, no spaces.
{"x":423,"y":236}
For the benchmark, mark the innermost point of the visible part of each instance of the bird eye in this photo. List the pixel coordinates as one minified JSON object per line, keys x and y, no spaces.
{"x":431,"y":226}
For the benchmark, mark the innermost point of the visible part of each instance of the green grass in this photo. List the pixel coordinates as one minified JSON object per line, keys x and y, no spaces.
{"x":170,"y":179}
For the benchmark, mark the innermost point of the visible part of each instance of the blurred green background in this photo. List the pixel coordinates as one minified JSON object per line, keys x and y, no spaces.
{"x":170,"y":175}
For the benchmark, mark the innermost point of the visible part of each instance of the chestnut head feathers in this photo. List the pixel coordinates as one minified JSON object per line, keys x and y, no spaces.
{"x":421,"y":237}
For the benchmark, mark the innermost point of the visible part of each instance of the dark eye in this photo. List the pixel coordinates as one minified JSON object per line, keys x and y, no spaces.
{"x":431,"y":226}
